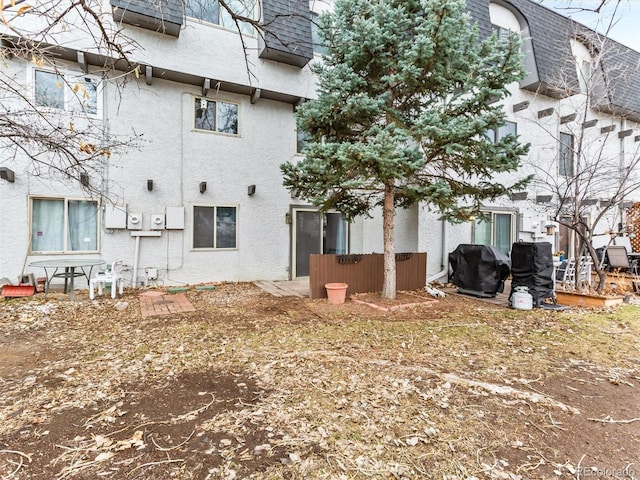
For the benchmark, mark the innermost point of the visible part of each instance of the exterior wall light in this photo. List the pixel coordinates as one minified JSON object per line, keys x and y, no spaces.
{"x":149,"y":185}
{"x":251,"y":190}
{"x":203,"y":187}
{"x":7,"y":174}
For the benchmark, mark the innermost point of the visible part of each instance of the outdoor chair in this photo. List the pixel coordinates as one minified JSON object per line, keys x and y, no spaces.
{"x":112,"y":275}
{"x":572,"y":274}
{"x":566,"y":273}
{"x":618,"y":260}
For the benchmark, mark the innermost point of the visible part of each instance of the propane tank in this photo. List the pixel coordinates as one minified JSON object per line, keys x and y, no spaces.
{"x":521,"y":298}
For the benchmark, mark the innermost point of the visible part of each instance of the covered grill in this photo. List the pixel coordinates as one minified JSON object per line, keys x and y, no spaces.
{"x":532,"y":267}
{"x":478,"y":270}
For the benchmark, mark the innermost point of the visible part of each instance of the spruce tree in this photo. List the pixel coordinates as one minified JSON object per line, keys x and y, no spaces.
{"x":406,"y":95}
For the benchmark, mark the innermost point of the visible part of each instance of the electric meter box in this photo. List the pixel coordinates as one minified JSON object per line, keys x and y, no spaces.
{"x":157,"y":221}
{"x":134,"y":221}
{"x":175,"y":218}
{"x":115,"y":216}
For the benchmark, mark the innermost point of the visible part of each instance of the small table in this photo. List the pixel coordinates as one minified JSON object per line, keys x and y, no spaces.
{"x":69,"y":274}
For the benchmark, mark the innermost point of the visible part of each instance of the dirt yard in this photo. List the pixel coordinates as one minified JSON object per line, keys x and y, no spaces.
{"x":253,"y":386}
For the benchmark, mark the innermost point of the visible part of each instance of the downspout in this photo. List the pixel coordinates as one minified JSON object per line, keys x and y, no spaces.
{"x":136,"y":253}
{"x":445,"y":257}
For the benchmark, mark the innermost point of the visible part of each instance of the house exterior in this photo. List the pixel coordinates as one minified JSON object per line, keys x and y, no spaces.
{"x":200,"y":196}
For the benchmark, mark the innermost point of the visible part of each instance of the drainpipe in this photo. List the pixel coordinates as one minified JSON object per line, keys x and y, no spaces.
{"x":445,"y":257}
{"x":136,"y":252}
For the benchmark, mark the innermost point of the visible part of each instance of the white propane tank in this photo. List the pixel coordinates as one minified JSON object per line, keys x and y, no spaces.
{"x":522,"y":299}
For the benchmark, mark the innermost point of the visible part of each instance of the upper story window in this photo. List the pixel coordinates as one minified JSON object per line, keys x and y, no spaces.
{"x":216,"y":116}
{"x":584,"y":64}
{"x":316,"y":40}
{"x":509,"y":128}
{"x":302,"y":138}
{"x":502,"y":33}
{"x":73,"y":93}
{"x":212,"y":12}
{"x":503,"y":21}
{"x":565,"y":155}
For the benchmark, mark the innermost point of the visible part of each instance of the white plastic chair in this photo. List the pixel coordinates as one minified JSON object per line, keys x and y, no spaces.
{"x":113,"y":276}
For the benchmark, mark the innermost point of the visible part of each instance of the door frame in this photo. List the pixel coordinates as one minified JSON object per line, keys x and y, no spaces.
{"x":293,"y":236}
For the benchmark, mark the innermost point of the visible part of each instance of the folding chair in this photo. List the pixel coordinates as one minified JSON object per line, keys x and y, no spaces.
{"x":566,"y":273}
{"x":617,"y":258}
{"x":112,"y":275}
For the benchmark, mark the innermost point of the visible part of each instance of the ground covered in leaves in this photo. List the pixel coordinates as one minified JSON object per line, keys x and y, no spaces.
{"x":254,"y":386}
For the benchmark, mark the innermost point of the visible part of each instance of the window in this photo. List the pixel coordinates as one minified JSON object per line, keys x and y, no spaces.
{"x":502,"y":33}
{"x":496,"y":229}
{"x":210,"y":11}
{"x":64,"y":225}
{"x":565,"y":156}
{"x":302,"y":138}
{"x":214,"y":227}
{"x":509,"y":128}
{"x":584,"y":75}
{"x":216,"y":116}
{"x":66,"y":92}
{"x":584,"y":64}
{"x":316,"y":40}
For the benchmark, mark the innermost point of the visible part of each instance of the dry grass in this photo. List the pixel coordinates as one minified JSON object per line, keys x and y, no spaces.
{"x":451,"y":391}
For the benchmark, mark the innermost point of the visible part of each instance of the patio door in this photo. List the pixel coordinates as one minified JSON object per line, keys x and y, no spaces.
{"x":315,"y":232}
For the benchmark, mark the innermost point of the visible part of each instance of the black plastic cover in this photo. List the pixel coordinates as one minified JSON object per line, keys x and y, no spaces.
{"x":479,"y":268}
{"x":532,"y":267}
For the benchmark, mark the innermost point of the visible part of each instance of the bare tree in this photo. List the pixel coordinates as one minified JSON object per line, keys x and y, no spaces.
{"x":71,"y":143}
{"x":590,"y":175}
{"x":56,"y":128}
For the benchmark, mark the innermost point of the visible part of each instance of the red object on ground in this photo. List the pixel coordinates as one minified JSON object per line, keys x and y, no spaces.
{"x":18,"y":290}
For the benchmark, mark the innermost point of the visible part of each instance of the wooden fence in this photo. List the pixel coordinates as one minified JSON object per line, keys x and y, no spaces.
{"x":364,"y":272}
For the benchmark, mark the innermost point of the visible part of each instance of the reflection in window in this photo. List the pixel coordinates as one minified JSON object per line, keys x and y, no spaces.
{"x":302,"y":138}
{"x":53,"y":90}
{"x":316,"y":39}
{"x":216,"y":116}
{"x":214,"y":227}
{"x":509,"y":128}
{"x":84,"y":95}
{"x":49,"y":88}
{"x":495,"y":229}
{"x":565,"y":156}
{"x":212,"y":12}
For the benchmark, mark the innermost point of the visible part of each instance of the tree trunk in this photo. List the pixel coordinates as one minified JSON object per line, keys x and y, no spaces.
{"x":388,"y":213}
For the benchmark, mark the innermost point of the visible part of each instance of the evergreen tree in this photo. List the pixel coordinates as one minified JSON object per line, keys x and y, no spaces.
{"x":407,"y":93}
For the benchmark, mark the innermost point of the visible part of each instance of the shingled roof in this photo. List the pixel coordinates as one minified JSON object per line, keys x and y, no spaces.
{"x":287,"y":36}
{"x":550,"y":60}
{"x":163,"y":16}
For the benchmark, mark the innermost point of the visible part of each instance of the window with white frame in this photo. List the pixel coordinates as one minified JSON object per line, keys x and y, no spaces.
{"x":215,"y":227}
{"x":565,"y":155}
{"x":509,"y":128}
{"x":584,"y":64}
{"x":302,"y":138}
{"x":74,"y":93}
{"x":64,"y":225}
{"x":216,"y":116}
{"x":495,"y":228}
{"x":211,"y":11}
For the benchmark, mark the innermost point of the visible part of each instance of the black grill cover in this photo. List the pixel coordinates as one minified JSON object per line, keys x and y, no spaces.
{"x":532,"y":267}
{"x":478,"y":268}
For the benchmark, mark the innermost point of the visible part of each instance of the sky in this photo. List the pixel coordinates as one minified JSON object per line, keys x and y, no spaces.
{"x":625,"y":15}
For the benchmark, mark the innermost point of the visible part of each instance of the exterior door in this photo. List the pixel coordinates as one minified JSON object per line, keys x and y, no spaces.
{"x":315,"y":233}
{"x":499,"y":230}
